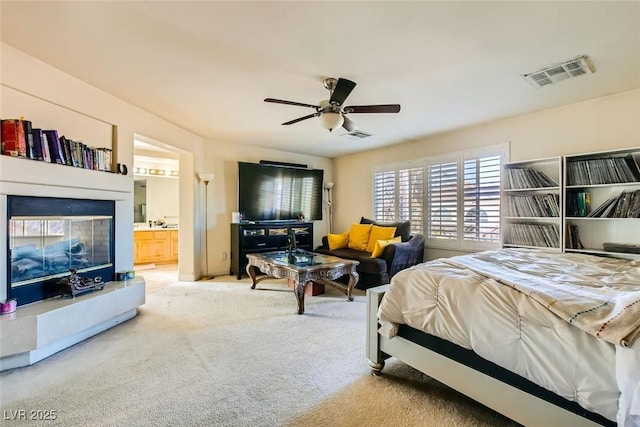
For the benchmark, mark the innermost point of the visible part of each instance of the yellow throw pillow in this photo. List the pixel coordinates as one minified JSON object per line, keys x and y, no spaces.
{"x":379,"y":233}
{"x":381,"y":244}
{"x":338,"y":241}
{"x":359,"y":236}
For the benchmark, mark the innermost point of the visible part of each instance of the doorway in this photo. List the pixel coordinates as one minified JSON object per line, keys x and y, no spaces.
{"x":156,"y":210}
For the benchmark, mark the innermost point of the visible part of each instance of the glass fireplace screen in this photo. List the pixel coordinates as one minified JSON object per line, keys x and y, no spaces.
{"x":47,"y":247}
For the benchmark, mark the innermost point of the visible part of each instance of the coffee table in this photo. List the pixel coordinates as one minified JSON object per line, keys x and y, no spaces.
{"x":303,"y":268}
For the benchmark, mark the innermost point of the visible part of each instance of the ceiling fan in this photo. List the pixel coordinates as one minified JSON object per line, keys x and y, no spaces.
{"x":331,"y":112}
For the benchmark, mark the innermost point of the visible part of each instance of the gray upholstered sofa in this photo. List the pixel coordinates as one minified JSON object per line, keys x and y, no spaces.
{"x":395,"y":257}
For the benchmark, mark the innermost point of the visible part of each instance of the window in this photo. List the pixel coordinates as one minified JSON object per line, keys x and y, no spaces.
{"x":398,"y":195}
{"x":384,"y":196}
{"x":442,"y":196}
{"x":481,"y":192}
{"x":453,"y":200}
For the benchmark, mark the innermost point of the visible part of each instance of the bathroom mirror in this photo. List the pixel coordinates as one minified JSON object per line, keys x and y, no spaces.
{"x":140,"y":200}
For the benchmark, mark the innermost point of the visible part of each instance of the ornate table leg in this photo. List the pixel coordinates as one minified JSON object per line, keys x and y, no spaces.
{"x":353,"y":280}
{"x":251,"y":272}
{"x":298,"y":288}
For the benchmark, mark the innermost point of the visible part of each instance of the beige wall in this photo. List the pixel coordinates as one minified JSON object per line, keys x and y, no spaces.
{"x":26,"y":74}
{"x":600,"y":124}
{"x":223,"y":195}
{"x":163,"y":200}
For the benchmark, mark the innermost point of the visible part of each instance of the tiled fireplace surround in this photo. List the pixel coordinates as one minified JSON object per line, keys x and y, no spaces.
{"x":37,"y":330}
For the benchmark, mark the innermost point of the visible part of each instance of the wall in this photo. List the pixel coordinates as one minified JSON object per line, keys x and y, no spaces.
{"x":24,"y":73}
{"x":29,"y":75}
{"x":599,"y":124}
{"x":163,"y":199}
{"x":222,"y":159}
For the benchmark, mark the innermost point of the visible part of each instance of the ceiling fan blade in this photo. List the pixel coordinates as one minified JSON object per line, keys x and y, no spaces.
{"x":348,"y":124}
{"x":300,"y":104}
{"x":385,"y":108}
{"x":299,"y":119}
{"x":341,"y":91}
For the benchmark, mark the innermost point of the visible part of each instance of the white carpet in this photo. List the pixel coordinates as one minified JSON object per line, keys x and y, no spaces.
{"x":218,"y":353}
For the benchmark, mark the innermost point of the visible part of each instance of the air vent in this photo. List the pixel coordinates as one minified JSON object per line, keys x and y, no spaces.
{"x":358,"y":134}
{"x":556,"y":73}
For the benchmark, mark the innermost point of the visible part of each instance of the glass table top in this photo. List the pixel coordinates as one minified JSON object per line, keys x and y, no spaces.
{"x":299,"y":258}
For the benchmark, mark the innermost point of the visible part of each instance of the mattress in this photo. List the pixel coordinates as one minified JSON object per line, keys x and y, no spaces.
{"x":479,"y":311}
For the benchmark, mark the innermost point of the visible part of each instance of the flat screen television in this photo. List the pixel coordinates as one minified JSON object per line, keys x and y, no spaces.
{"x":277,"y":193}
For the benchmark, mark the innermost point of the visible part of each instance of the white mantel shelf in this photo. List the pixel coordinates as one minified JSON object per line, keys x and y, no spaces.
{"x":36,"y":331}
{"x":36,"y":178}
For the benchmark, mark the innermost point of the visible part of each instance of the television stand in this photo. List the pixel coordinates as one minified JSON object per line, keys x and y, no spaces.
{"x":266,"y":236}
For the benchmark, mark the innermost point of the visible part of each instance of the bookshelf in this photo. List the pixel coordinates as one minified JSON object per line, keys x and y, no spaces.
{"x":532,"y":204}
{"x":602,"y":203}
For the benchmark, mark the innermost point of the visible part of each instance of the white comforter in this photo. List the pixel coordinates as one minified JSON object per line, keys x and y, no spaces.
{"x":509,"y":328}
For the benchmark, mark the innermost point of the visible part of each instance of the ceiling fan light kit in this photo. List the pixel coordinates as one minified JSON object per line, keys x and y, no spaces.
{"x":332,"y":114}
{"x":331,"y":120}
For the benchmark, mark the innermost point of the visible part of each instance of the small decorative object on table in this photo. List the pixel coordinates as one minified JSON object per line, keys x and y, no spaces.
{"x":76,"y":285}
{"x":291,"y":245}
{"x":121,"y":276}
{"x":8,"y":306}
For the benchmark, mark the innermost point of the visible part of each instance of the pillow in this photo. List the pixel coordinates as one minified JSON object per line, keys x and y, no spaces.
{"x":338,"y":241}
{"x":379,"y":233}
{"x":381,"y":244}
{"x":359,"y":236}
{"x":403,"y":228}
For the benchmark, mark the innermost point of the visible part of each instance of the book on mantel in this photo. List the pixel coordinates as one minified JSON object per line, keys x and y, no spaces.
{"x":13,"y":142}
{"x":55,"y":149}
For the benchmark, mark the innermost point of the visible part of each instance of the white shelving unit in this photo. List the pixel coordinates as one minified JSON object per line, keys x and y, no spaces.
{"x":615,"y":227}
{"x":532,"y":205}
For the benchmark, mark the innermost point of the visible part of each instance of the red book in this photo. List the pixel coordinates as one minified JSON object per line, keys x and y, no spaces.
{"x":11,"y":137}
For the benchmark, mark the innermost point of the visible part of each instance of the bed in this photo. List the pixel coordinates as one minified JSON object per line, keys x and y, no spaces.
{"x":541,"y":337}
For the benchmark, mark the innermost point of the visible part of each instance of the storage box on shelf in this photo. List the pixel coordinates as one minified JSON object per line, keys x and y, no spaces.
{"x":602,"y":212}
{"x":531,"y":203}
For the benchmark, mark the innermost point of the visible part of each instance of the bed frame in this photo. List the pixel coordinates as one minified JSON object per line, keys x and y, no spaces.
{"x":463,"y":370}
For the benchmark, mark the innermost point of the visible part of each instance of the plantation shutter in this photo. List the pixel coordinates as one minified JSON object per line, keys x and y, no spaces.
{"x":442,"y":185}
{"x":384,"y":195}
{"x":454,"y":199}
{"x":481,"y":195}
{"x":411,"y":197}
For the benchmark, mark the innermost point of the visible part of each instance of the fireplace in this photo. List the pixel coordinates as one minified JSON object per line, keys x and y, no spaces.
{"x":49,"y":236}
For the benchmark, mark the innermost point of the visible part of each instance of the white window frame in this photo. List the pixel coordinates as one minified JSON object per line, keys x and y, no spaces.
{"x":459,"y":243}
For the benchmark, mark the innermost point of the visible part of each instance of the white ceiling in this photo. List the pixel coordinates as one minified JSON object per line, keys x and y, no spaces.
{"x":207,"y":66}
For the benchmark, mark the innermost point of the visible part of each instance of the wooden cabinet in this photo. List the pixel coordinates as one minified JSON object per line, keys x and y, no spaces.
{"x":531,"y":204}
{"x":173,"y":244}
{"x":155,"y":246}
{"x":249,"y":238}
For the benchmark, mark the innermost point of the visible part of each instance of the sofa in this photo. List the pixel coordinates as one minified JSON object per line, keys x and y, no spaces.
{"x":403,"y":251}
